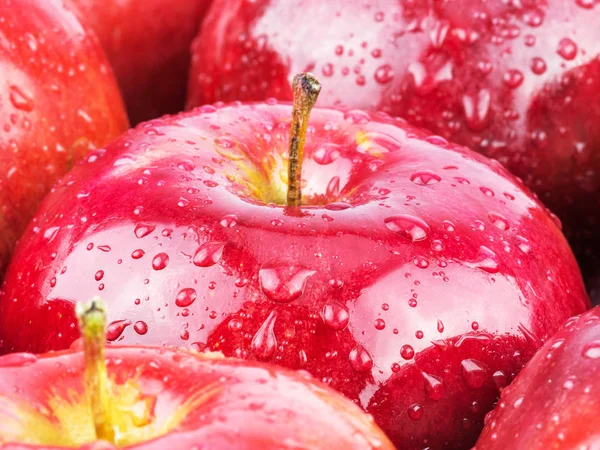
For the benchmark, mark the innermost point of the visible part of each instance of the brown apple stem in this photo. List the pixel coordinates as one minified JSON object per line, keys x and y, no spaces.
{"x":92,"y":323}
{"x":306,"y":89}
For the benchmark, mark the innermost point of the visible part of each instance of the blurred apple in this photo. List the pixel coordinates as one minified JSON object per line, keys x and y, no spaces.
{"x":58,"y":100}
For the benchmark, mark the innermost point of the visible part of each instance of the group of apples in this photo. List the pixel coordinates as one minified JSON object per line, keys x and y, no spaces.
{"x":357,"y":275}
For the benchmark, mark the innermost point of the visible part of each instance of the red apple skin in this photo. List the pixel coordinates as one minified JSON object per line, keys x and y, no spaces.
{"x":520,"y":84}
{"x":554,"y":402}
{"x":148,"y":44}
{"x":58,"y":100}
{"x":247,"y":405}
{"x":406,"y":241}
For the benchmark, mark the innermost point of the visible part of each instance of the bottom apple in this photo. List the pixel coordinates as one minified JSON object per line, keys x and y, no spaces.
{"x":154,"y":399}
{"x":554,"y":403}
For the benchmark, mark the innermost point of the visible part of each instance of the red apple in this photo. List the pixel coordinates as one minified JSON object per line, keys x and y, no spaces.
{"x":554,"y":403}
{"x":58,"y":100}
{"x":150,"y":398}
{"x":518,"y":81}
{"x":415,"y":277}
{"x":148,"y":45}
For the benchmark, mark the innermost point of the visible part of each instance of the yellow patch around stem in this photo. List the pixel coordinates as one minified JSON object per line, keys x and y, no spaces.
{"x":66,"y":418}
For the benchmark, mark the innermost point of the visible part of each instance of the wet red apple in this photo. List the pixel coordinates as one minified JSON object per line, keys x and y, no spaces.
{"x":414,"y":276}
{"x":148,"y":44}
{"x":518,"y":81}
{"x":150,"y":398}
{"x":554,"y":403}
{"x":58,"y":100}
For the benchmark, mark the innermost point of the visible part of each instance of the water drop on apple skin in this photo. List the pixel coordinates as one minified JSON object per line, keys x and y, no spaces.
{"x":264,"y":342}
{"x":186,"y":297}
{"x":17,"y":360}
{"x":336,"y":316}
{"x":208,"y":254}
{"x":434,"y":388}
{"x":360,"y":359}
{"x":283,"y":283}
{"x":473,"y":372}
{"x":115,"y":329}
{"x":408,"y":226}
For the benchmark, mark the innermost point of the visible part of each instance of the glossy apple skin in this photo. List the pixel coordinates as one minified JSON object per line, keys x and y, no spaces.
{"x":554,"y":402}
{"x":245,"y":405}
{"x":58,"y":100}
{"x":405,"y":240}
{"x":502,"y":78}
{"x":148,"y":45}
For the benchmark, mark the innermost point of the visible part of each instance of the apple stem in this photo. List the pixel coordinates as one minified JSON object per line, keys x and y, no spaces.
{"x":306,"y":89}
{"x":92,"y":323}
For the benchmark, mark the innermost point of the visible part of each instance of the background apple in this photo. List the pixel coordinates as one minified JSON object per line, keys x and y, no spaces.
{"x":416,"y":277}
{"x":555,"y":401}
{"x":518,"y":81}
{"x":58,"y":100}
{"x":149,"y":398}
{"x":148,"y":45}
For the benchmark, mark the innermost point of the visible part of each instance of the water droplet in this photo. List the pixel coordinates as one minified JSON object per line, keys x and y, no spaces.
{"x":567,"y":49}
{"x":407,"y":352}
{"x":591,"y":350}
{"x":437,"y":245}
{"x":326,"y":154}
{"x":209,"y":254}
{"x":140,"y":327}
{"x":142,"y":230}
{"x":440,"y":326}
{"x":115,"y":329}
{"x":518,"y":402}
{"x":338,"y":206}
{"x":513,"y":78}
{"x":18,"y":360}
{"x":99,"y":275}
{"x":284,"y":284}
{"x":477,"y":109}
{"x":425,"y":177}
{"x":20,"y":99}
{"x":357,"y":117}
{"x":384,"y":74}
{"x":264,"y":342}
{"x":433,"y":386}
{"x":137,"y":254}
{"x":335,"y":316}
{"x":415,"y":412}
{"x":327,"y":70}
{"x":234,"y":325}
{"x":410,"y":227}
{"x":379,"y":324}
{"x":586,"y":4}
{"x":473,"y":372}
{"x":160,"y":261}
{"x":333,"y":187}
{"x":486,"y":260}
{"x":229,"y":221}
{"x":376,"y":144}
{"x":499,"y":221}
{"x":360,"y":360}
{"x":436,"y":140}
{"x":538,"y":65}
{"x":523,"y":244}
{"x":185,"y":297}
{"x":228,"y":148}
{"x":51,"y":233}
